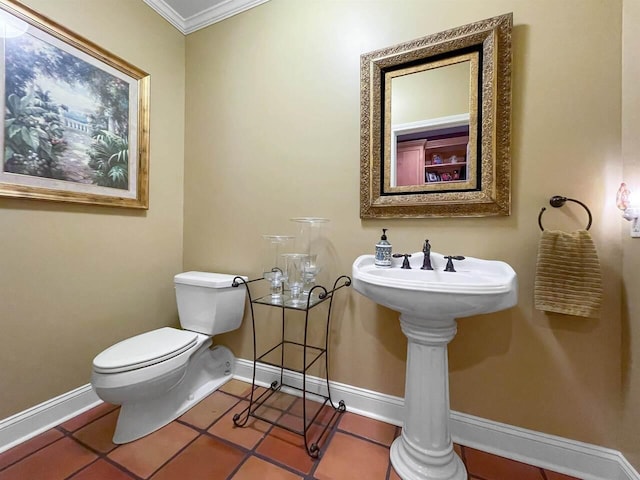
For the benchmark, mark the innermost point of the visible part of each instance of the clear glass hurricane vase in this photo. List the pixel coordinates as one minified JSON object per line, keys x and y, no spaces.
{"x":309,"y":240}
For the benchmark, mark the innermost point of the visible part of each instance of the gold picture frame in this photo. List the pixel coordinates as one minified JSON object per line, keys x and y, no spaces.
{"x":486,"y":189}
{"x":76,"y":122}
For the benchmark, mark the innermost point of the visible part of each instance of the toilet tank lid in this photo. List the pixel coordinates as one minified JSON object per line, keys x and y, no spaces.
{"x":206,"y":279}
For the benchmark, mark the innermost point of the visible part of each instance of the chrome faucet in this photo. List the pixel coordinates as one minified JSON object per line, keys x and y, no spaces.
{"x":426,"y":263}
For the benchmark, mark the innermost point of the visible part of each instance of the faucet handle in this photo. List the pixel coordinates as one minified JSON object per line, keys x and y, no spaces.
{"x":405,"y":262}
{"x":450,"y":259}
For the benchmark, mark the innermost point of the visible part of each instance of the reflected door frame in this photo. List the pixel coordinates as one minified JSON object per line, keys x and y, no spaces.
{"x":410,"y":163}
{"x":420,"y":126}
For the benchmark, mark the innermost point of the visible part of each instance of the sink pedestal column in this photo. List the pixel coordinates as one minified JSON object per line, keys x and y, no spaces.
{"x":424,"y":451}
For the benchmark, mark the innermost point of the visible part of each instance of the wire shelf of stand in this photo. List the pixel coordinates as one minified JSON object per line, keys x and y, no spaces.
{"x":290,"y":379}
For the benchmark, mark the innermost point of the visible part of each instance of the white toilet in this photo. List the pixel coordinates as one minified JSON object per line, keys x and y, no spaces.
{"x":159,"y":375}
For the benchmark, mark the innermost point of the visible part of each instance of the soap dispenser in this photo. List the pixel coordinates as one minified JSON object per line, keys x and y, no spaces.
{"x":383,"y":251}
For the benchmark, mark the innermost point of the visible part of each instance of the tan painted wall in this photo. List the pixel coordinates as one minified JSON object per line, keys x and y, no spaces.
{"x":273,"y":132}
{"x":75,"y":279}
{"x":630,"y":443}
{"x":439,"y":92}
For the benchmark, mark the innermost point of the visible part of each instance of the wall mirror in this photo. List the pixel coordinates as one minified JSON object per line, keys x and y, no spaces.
{"x":435,"y":124}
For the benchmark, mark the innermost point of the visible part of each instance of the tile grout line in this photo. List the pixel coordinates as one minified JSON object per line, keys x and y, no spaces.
{"x":101,"y":455}
{"x":30,"y":453}
{"x":82,"y":468}
{"x":463,"y":457}
{"x":58,"y":428}
{"x":174,"y":455}
{"x":105,"y":456}
{"x":396,"y":433}
{"x":69,"y":434}
{"x":331,"y":434}
{"x":253,"y":451}
{"x":273,"y":461}
{"x":205,"y":432}
{"x":248,"y":453}
{"x":369,"y":440}
{"x":389,"y":466}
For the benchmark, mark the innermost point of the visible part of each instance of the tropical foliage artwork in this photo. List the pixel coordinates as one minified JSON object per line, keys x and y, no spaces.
{"x":65,"y":119}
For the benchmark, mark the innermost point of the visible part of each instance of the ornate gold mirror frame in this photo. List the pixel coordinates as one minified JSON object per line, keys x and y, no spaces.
{"x":486,"y":190}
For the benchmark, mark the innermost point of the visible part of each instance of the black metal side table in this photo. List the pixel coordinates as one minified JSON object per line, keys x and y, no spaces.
{"x":310,"y":355}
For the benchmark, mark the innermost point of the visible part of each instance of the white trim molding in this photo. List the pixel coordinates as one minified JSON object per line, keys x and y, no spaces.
{"x":168,"y":13}
{"x":578,"y":459}
{"x":31,"y":422}
{"x":216,"y":13}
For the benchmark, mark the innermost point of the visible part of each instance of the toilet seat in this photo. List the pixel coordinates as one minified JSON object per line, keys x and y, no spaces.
{"x":145,"y":349}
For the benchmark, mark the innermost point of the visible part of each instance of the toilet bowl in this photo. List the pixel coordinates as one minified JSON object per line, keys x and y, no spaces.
{"x":157,"y":376}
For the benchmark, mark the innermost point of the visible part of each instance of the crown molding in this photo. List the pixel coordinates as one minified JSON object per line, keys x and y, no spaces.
{"x":168,"y":13}
{"x":219,"y":12}
{"x":211,"y":15}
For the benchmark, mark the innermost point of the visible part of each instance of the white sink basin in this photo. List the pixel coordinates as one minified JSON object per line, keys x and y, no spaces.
{"x":429,"y":301}
{"x":477,"y":286}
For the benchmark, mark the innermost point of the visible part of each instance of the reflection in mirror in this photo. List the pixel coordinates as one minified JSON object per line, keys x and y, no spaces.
{"x":434,"y":92}
{"x":428,"y":120}
{"x":435,"y":124}
{"x":433,"y":159}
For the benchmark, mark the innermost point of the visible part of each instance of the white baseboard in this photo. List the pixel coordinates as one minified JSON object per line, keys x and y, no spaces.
{"x":578,"y":459}
{"x":582,"y":460}
{"x":29,"y":423}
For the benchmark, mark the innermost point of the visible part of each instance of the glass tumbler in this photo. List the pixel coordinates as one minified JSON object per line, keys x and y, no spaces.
{"x":273,"y":266}
{"x":294,"y":281}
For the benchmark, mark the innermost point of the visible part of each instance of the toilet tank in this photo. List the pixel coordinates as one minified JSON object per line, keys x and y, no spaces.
{"x":207,"y":303}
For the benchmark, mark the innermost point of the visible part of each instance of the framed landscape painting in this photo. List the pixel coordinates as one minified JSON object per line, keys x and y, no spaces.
{"x":76,"y":117}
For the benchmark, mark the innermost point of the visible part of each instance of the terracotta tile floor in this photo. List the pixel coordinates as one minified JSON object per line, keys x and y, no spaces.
{"x":204,"y":444}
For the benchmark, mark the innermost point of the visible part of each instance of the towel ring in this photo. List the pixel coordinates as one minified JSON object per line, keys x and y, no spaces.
{"x":558,"y":201}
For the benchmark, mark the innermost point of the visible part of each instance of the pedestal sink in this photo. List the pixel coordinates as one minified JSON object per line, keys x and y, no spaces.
{"x":429,"y":301}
